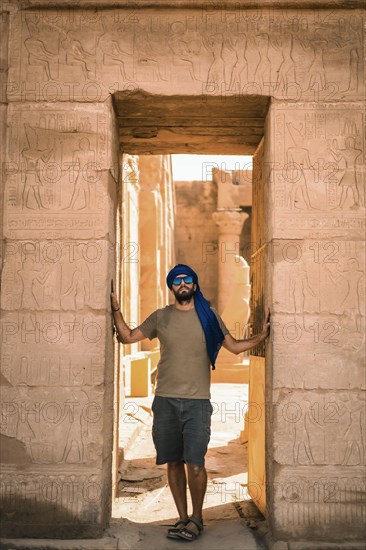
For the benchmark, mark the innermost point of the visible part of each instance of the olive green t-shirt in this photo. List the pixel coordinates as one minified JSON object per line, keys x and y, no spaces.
{"x":184,"y":367}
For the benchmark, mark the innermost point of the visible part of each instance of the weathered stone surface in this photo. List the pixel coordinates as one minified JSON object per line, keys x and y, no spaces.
{"x":61,"y":172}
{"x":327,"y":505}
{"x":56,"y":275}
{"x":292,"y":55}
{"x":55,"y":349}
{"x":63,"y":504}
{"x":318,"y":427}
{"x":316,"y":170}
{"x":319,"y":314}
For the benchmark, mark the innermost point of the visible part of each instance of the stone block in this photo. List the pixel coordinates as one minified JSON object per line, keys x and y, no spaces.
{"x":316,"y":170}
{"x":327,"y":505}
{"x":60,"y":170}
{"x":318,"y":428}
{"x":56,"y":275}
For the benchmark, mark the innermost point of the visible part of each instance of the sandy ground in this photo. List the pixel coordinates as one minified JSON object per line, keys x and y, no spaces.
{"x":145,"y":499}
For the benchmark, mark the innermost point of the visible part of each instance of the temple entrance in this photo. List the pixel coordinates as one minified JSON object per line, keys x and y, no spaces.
{"x":150,"y":129}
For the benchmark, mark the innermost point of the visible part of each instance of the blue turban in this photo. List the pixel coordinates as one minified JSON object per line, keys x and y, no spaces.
{"x":213,"y":333}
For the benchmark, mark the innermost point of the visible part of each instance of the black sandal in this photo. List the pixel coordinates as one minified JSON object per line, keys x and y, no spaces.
{"x":189,"y":535}
{"x":172,"y":533}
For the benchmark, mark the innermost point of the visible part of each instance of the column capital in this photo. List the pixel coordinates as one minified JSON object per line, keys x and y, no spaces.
{"x":230,"y":222}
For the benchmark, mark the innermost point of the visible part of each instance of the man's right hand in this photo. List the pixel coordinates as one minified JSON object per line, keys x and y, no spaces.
{"x":114,"y":299}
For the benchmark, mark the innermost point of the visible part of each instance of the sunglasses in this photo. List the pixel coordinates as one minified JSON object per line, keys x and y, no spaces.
{"x":188,"y":280}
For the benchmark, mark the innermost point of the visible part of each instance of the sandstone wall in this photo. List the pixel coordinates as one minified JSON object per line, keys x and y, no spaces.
{"x":316,"y":282}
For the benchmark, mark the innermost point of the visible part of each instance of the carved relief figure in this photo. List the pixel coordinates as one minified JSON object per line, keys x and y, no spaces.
{"x":84,"y":164}
{"x":77,"y":56}
{"x":34,"y":159}
{"x":74,"y":450}
{"x":24,"y":431}
{"x":263,"y":70}
{"x":79,"y":288}
{"x":185,"y":50}
{"x":286,"y":72}
{"x":39,"y":56}
{"x":301,"y":434}
{"x":29,"y":276}
{"x":348,"y":181}
{"x":353,"y":71}
{"x":216,"y":72}
{"x":113,"y":55}
{"x":148,"y":53}
{"x":355,"y":407}
{"x":316,"y":72}
{"x":350,"y":305}
{"x":240,"y":69}
{"x":299,"y":289}
{"x":298,"y":161}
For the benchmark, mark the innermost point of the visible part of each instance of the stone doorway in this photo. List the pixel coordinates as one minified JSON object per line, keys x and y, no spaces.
{"x":154,"y":125}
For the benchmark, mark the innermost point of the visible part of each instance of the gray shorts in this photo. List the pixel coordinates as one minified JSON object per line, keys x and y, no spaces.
{"x":181,"y":429}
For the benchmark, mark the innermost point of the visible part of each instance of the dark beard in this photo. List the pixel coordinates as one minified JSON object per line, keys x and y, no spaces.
{"x":185,"y":297}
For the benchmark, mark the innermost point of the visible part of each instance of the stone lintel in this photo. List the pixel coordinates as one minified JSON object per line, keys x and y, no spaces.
{"x":198,"y":4}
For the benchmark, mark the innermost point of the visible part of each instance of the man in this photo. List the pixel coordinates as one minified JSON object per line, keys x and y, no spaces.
{"x":191,"y":334}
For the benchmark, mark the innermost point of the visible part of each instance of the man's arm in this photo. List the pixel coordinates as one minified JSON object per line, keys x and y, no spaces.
{"x":238,"y":346}
{"x":125,"y":334}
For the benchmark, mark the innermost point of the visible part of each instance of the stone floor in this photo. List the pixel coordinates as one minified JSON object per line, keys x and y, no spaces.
{"x":144,"y":502}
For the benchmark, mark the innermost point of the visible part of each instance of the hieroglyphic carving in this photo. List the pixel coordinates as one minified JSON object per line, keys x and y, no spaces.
{"x":114,"y":55}
{"x":38,"y":53}
{"x":186,"y":49}
{"x":316,"y":72}
{"x":83,"y":160}
{"x":55,"y":274}
{"x":348,"y":181}
{"x":308,"y":270}
{"x":298,"y":164}
{"x":318,"y":169}
{"x":355,"y":435}
{"x":61,"y":430}
{"x":286,"y":74}
{"x":310,"y":499}
{"x":271,"y":52}
{"x":263,"y":69}
{"x":75,"y":360}
{"x":348,"y":294}
{"x":78,"y":56}
{"x":317,"y":428}
{"x":56,"y":167}
{"x":35,"y":158}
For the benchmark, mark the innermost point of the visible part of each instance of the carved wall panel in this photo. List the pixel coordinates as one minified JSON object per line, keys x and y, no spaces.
{"x":295,"y":55}
{"x":317,"y":170}
{"x":60,"y":167}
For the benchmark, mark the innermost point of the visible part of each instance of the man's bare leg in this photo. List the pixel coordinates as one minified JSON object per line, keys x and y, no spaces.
{"x":197,"y":482}
{"x":178,"y":485}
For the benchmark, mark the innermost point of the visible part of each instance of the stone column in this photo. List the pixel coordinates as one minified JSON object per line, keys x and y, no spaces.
{"x":231,"y":272}
{"x":149,"y":230}
{"x":130,"y":265}
{"x":230,"y":223}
